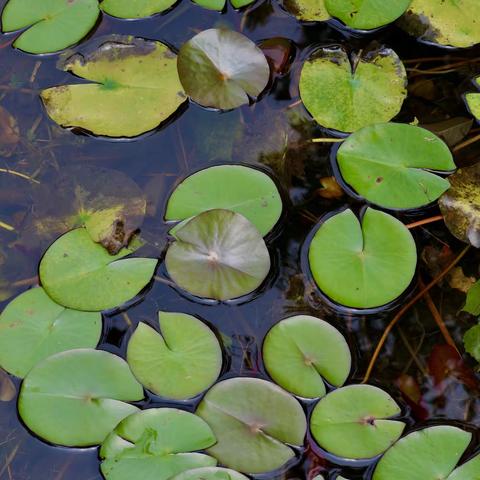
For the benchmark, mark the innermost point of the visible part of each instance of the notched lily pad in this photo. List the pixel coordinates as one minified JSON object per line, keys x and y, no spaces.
{"x":354,"y":422}
{"x":345,"y":94}
{"x":33,"y":327}
{"x":80,"y":274}
{"x":218,"y":254}
{"x":300,"y":350}
{"x":76,"y":398}
{"x":219,"y":5}
{"x":51,"y":25}
{"x":135,"y":88}
{"x":156,"y":444}
{"x":222,"y":69}
{"x":460,"y":205}
{"x":393,"y":165}
{"x":210,"y":473}
{"x":362,"y":264}
{"x":255,"y":423}
{"x":181,"y":361}
{"x":135,"y":8}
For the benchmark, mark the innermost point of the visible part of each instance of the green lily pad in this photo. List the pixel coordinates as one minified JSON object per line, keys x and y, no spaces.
{"x":354,"y":422}
{"x":255,"y":423}
{"x":210,"y":473}
{"x":76,"y":398}
{"x":468,"y":471}
{"x":363,"y":264}
{"x":300,"y":350}
{"x":347,"y":94}
{"x":243,"y":190}
{"x":460,"y":205}
{"x":473,"y":100}
{"x":218,"y":254}
{"x":156,"y":444}
{"x":80,"y":274}
{"x":388,"y":165}
{"x":472,"y":303}
{"x":471,"y":340}
{"x":428,"y":454}
{"x":51,"y":25}
{"x":135,"y":89}
{"x":179,"y":363}
{"x":219,"y":5}
{"x":222,"y":69}
{"x":308,"y":10}
{"x":33,"y":327}
{"x":135,"y":8}
{"x":448,"y":23}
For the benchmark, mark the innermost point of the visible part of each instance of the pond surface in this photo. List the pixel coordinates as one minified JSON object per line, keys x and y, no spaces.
{"x":274,"y":134}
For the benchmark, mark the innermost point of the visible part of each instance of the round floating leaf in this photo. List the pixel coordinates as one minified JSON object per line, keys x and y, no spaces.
{"x":427,"y":454}
{"x":33,"y":327}
{"x":210,"y":473}
{"x":468,"y":471}
{"x":155,"y":444}
{"x":136,"y":88}
{"x":222,"y":69}
{"x":254,"y":422}
{"x":219,"y":5}
{"x":460,"y":205}
{"x":363,"y":264}
{"x":218,"y":254}
{"x":51,"y":25}
{"x":179,"y":363}
{"x":76,"y":398}
{"x":346,"y":95}
{"x":386,"y":164}
{"x":79,"y":273}
{"x":471,"y":341}
{"x":473,"y":101}
{"x":135,"y":8}
{"x":240,"y":189}
{"x":308,"y":10}
{"x":449,"y":23}
{"x":352,"y":422}
{"x":300,"y":350}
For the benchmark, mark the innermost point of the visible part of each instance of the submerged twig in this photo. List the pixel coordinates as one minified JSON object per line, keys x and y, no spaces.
{"x":466,"y":143}
{"x":436,"y":218}
{"x":18,"y":174}
{"x":6,"y":226}
{"x":327,"y":140}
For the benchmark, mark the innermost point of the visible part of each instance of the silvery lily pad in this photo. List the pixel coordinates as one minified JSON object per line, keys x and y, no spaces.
{"x":135,"y":8}
{"x":210,"y":473}
{"x":76,"y":398}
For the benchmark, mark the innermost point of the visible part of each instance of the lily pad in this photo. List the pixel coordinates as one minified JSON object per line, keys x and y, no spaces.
{"x":354,"y":422}
{"x":135,"y":8}
{"x":300,"y":350}
{"x":51,"y":25}
{"x":80,"y":274}
{"x":447,"y":23}
{"x":460,"y":205}
{"x":219,"y":5}
{"x":33,"y":327}
{"x":135,"y":88}
{"x":76,"y":398}
{"x":347,"y":94}
{"x":156,"y":444}
{"x":181,"y":361}
{"x":255,"y":423}
{"x":243,"y":190}
{"x":428,"y":454}
{"x":222,"y":69}
{"x":473,"y":100}
{"x":210,"y":473}
{"x":363,"y":264}
{"x":389,"y":164}
{"x":218,"y":254}
{"x":308,"y":10}
{"x":471,"y":341}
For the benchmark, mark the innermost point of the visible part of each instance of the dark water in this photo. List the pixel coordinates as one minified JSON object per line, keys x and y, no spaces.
{"x":274,"y":134}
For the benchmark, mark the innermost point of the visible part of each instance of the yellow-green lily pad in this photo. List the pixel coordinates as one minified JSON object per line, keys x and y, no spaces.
{"x":135,"y":8}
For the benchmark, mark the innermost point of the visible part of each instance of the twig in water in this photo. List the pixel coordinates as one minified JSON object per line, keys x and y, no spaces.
{"x":18,"y":174}
{"x":6,"y":226}
{"x":466,"y":143}
{"x":327,"y":140}
{"x":425,"y":221}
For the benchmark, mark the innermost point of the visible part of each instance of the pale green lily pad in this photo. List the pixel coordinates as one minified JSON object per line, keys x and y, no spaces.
{"x":363,"y":264}
{"x":473,"y":100}
{"x":300,"y":350}
{"x":181,"y":361}
{"x":33,"y":327}
{"x":471,"y":340}
{"x":347,"y":94}
{"x":210,"y":473}
{"x":51,"y":25}
{"x":472,"y":303}
{"x":135,"y":8}
{"x":460,"y":205}
{"x":135,"y":88}
{"x":308,"y":10}
{"x":448,"y":23}
{"x":218,"y":254}
{"x":355,"y":422}
{"x":427,"y":454}
{"x":219,"y":5}
{"x":255,"y":423}
{"x":78,"y":273}
{"x":156,"y":444}
{"x":243,"y":190}
{"x":222,"y":69}
{"x":391,"y":165}
{"x":468,"y":471}
{"x":76,"y":398}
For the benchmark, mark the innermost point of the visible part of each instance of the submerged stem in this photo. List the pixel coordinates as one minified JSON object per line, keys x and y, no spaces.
{"x":425,"y":221}
{"x":18,"y":174}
